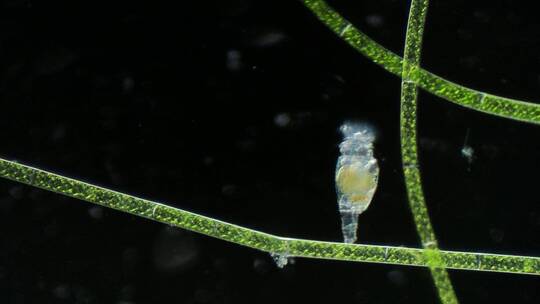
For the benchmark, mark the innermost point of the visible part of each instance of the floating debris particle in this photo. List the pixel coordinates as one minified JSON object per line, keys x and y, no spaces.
{"x":128,"y":83}
{"x":282,"y":120}
{"x":280,"y":259}
{"x":96,"y":212}
{"x":62,"y":291}
{"x":375,"y":21}
{"x":468,"y":153}
{"x":269,"y":38}
{"x":261,"y":266}
{"x":175,"y":250}
{"x":234,"y":60}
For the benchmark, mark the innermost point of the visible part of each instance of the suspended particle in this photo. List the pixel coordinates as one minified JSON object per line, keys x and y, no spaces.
{"x":96,"y":212}
{"x":282,"y":120}
{"x":468,"y":153}
{"x":357,"y":175}
{"x":280,"y":259}
{"x":234,"y":60}
{"x":375,"y":20}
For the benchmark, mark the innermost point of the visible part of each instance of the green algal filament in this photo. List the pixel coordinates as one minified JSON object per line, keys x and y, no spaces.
{"x":259,"y":240}
{"x":411,"y":172}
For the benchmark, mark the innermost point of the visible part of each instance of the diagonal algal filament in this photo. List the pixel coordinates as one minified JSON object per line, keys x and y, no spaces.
{"x":480,"y":101}
{"x":260,"y":240}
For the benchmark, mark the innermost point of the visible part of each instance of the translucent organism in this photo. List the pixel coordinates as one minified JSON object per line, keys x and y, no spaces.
{"x":357,"y":174}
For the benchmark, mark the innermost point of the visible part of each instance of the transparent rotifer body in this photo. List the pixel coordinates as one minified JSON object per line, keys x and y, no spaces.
{"x":357,"y":174}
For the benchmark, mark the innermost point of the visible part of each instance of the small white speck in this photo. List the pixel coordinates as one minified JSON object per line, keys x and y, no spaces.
{"x":234,"y":60}
{"x":375,"y":20}
{"x":128,"y":84}
{"x":269,"y":39}
{"x":96,"y":212}
{"x":468,"y":153}
{"x":208,"y":161}
{"x":282,"y":120}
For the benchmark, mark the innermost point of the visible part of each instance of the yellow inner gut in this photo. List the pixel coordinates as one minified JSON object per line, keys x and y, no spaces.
{"x":355,"y":183}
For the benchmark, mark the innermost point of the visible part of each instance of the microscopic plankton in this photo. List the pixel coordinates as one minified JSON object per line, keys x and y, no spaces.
{"x":357,"y":174}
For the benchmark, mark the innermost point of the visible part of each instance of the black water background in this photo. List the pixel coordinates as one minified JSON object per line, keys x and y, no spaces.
{"x":231,"y":109}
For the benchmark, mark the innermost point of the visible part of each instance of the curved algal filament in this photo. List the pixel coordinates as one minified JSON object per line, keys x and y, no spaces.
{"x":463,"y":96}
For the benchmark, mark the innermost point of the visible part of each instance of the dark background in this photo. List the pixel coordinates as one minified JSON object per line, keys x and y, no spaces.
{"x":231,"y":109}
